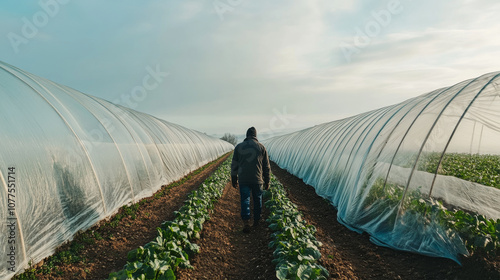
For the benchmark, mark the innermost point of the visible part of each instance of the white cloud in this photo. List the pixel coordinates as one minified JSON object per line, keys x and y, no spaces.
{"x":263,"y":55}
{"x":189,"y":10}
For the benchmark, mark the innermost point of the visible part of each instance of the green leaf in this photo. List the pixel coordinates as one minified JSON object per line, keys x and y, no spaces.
{"x":192,"y":249}
{"x":149,"y":273}
{"x":481,"y":241}
{"x":304,"y":272}
{"x":135,"y":254}
{"x":273,"y":227}
{"x":311,"y":252}
{"x":167,"y":275}
{"x":119,"y":275}
{"x":132,"y":267}
{"x":282,"y":273}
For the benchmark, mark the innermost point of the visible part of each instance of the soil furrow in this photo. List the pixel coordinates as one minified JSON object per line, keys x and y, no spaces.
{"x":228,"y":253}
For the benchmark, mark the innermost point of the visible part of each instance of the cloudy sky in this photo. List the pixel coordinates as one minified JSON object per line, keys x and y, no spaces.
{"x":222,"y":66}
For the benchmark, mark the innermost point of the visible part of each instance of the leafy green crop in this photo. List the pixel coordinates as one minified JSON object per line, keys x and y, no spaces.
{"x":476,"y":231}
{"x":172,"y":247}
{"x":482,"y":169}
{"x":297,"y":252}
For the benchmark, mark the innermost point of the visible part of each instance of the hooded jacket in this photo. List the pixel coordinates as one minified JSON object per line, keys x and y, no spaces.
{"x":250,"y":164}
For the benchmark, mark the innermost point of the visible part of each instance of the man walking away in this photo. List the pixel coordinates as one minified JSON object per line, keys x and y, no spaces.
{"x":250,"y":169}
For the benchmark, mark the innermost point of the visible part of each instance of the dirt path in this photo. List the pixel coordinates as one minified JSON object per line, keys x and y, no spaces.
{"x":227,"y":252}
{"x":349,"y":255}
{"x":109,"y":254}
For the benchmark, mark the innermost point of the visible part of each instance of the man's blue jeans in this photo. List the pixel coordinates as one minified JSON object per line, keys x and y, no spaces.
{"x":256,"y":191}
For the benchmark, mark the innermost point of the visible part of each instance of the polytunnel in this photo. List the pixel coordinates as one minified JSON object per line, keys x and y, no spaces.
{"x":412,"y":175}
{"x":69,"y":160}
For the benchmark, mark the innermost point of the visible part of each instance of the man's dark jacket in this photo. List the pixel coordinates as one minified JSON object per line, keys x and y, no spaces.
{"x":250,"y":163}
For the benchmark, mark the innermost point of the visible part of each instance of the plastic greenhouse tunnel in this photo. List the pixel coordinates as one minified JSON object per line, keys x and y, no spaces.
{"x":421,"y":176}
{"x":69,"y":160}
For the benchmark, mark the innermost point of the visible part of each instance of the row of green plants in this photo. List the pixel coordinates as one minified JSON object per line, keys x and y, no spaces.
{"x":482,"y":169}
{"x":296,"y":252}
{"x":478,"y":168}
{"x":477,"y":232}
{"x":172,"y":248}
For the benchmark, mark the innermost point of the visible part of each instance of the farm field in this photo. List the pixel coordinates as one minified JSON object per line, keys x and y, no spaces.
{"x":482,"y":169}
{"x":227,"y":253}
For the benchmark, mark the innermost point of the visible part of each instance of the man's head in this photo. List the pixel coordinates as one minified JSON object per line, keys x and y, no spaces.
{"x":252,"y":132}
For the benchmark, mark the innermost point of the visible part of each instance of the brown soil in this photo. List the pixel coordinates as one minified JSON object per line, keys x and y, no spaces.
{"x":227,"y":253}
{"x":110,"y":253}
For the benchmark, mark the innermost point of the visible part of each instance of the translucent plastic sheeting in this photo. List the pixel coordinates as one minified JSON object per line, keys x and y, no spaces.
{"x":390,"y":171}
{"x":69,"y":160}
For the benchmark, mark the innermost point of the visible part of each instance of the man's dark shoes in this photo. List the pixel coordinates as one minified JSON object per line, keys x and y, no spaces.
{"x":255,"y":224}
{"x":246,"y":226}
